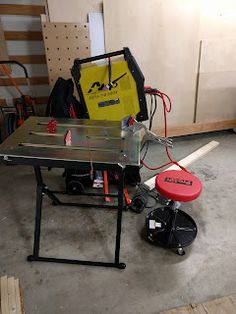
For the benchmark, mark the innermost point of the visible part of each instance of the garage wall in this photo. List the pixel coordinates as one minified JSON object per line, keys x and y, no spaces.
{"x":74,"y":11}
{"x":218,"y":19}
{"x":165,"y":38}
{"x":217,"y":79}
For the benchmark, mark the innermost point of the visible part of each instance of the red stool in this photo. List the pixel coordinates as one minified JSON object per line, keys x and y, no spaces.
{"x":169,"y":226}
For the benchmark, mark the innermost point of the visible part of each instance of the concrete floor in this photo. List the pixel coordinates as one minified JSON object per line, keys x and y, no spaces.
{"x":155,"y":279}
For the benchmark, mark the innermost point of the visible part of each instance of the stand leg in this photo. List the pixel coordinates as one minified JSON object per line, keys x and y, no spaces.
{"x":54,"y":199}
{"x":119,"y":220}
{"x":38,"y":215}
{"x":173,"y":220}
{"x":41,"y":190}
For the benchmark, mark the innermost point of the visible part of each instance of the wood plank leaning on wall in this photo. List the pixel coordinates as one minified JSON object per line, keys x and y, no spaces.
{"x":74,"y":11}
{"x":30,"y":59}
{"x":25,"y":14}
{"x":10,"y":35}
{"x":19,"y":9}
{"x":217,"y":81}
{"x":3,"y":48}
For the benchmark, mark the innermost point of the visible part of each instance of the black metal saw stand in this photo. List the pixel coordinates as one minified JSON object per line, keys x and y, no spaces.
{"x":42,"y":190}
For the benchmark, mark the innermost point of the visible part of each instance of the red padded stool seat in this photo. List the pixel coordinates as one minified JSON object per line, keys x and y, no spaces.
{"x":178,"y":185}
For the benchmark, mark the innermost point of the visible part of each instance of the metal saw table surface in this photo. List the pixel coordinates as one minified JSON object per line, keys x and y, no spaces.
{"x":93,"y":141}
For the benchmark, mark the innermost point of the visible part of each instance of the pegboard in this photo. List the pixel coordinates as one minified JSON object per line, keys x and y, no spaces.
{"x":64,"y":42}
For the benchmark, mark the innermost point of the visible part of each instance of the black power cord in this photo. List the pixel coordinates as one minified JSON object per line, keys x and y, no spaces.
{"x":152,"y":113}
{"x":140,"y":200}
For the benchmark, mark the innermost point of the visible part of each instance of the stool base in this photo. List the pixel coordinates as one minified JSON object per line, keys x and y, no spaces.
{"x":174,"y":228}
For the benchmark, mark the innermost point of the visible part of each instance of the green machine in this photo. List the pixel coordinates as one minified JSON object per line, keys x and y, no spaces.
{"x":112,"y":88}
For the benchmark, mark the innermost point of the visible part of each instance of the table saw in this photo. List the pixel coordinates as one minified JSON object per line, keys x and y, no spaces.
{"x":95,"y":145}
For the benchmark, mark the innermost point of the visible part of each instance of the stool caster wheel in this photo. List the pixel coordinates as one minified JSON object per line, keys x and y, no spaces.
{"x":180,"y":251}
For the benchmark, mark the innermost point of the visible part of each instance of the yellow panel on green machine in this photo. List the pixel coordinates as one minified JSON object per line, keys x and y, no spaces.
{"x":112,"y":88}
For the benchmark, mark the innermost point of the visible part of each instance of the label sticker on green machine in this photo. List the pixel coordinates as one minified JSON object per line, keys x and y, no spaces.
{"x":112,"y":100}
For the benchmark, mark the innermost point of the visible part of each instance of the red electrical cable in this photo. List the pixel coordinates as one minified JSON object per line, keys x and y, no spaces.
{"x":154,"y":168}
{"x":165,"y":110}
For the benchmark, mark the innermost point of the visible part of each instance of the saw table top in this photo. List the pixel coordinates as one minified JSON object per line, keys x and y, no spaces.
{"x":99,"y":142}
